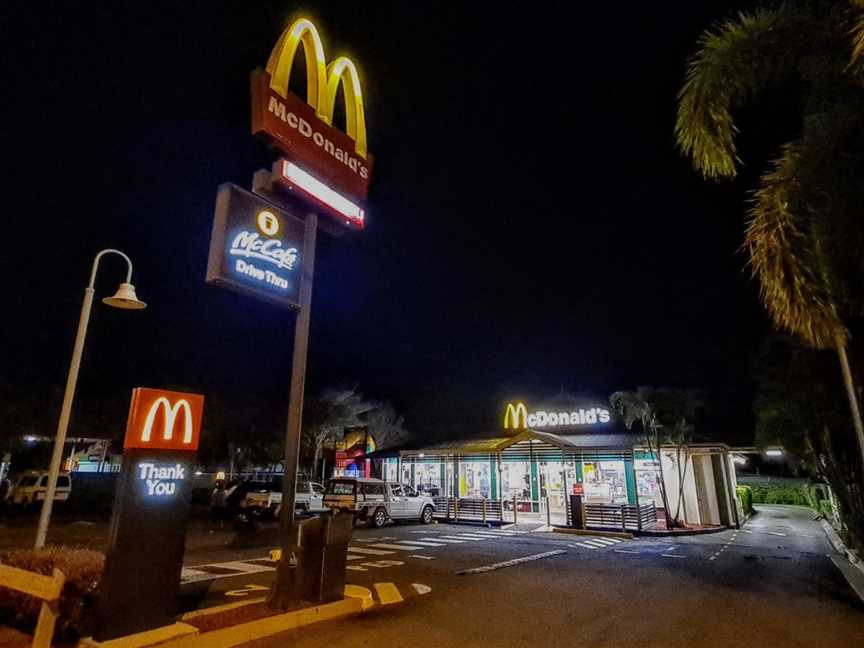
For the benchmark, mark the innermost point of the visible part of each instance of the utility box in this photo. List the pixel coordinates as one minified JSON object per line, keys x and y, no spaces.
{"x":577,"y":512}
{"x":322,"y":548}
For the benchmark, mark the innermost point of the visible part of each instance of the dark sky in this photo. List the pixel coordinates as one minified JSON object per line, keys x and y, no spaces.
{"x":531,"y":227}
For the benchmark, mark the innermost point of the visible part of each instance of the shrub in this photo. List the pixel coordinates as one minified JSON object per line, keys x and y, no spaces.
{"x":772,"y":494}
{"x":826,"y":509}
{"x":83,"y":569}
{"x":745,"y":496}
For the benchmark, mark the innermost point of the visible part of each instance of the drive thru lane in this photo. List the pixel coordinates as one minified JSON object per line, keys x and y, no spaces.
{"x":759,"y":589}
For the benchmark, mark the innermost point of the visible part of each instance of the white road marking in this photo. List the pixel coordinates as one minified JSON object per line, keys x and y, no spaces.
{"x":242,"y":567}
{"x":393,"y":546}
{"x":420,"y":588}
{"x":421,"y":543}
{"x":673,"y":556}
{"x":777,"y":533}
{"x":510,"y":563}
{"x":187,"y":574}
{"x":473,"y":536}
{"x":448,"y":540}
{"x":367,"y":550}
{"x":463,"y":539}
{"x":423,"y":557}
{"x":352,"y":557}
{"x":625,"y":551}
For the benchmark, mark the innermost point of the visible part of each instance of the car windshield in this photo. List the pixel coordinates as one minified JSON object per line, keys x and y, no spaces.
{"x":341,"y":487}
{"x":29,"y":480}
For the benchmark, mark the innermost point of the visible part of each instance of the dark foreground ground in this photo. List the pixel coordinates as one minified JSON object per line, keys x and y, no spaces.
{"x":769,"y":584}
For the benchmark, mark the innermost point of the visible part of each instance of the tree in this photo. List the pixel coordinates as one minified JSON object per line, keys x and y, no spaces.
{"x":795,"y":407}
{"x":666,"y":417}
{"x":386,"y":425}
{"x":805,"y":229}
{"x":326,"y":417}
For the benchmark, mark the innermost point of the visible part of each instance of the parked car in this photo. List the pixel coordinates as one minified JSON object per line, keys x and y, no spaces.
{"x":376,"y":502}
{"x":32,"y":485}
{"x":267,"y":502}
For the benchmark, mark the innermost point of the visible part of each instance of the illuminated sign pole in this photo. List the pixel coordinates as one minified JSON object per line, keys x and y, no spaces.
{"x":323,"y":171}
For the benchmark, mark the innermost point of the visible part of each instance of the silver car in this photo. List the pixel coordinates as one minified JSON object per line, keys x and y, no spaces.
{"x":376,"y":502}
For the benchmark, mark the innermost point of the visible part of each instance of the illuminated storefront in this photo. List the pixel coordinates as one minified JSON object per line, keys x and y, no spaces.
{"x":581,"y":450}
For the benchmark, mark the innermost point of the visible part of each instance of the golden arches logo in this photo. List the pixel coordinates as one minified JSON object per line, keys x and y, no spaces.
{"x":516,"y":417}
{"x":322,"y":80}
{"x":170,"y":416}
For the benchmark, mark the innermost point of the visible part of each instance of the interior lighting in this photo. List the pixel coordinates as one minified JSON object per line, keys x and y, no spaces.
{"x":774,"y":453}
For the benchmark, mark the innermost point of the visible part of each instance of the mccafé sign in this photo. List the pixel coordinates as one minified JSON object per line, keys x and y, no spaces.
{"x":331,"y":167}
{"x":517,"y":417}
{"x":255,"y":247}
{"x":164,"y":420}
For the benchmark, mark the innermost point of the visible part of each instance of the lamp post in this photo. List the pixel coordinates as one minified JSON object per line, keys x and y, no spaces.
{"x":124,"y":298}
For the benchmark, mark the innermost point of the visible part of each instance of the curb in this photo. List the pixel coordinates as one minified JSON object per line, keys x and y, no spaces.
{"x":261,"y":628}
{"x":602,"y":534}
{"x":671,"y":533}
{"x":853,"y":572}
{"x":156,"y":637}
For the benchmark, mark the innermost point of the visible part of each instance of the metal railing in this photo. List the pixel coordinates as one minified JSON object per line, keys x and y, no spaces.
{"x":626,"y":517}
{"x":464,"y":508}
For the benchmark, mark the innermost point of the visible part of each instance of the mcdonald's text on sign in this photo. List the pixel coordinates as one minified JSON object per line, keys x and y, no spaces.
{"x":164,"y":420}
{"x":517,"y":417}
{"x":332,"y":167}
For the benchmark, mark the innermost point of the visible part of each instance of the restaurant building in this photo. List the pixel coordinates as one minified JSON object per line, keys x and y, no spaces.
{"x":542,"y":455}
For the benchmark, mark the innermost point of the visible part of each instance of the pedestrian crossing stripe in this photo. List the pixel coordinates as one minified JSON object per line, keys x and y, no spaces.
{"x":370,"y":549}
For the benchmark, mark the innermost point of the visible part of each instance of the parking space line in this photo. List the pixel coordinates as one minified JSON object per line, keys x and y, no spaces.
{"x":393,"y":546}
{"x":367,"y":550}
{"x":461,"y":538}
{"x":448,"y":540}
{"x":421,"y":543}
{"x":510,"y":563}
{"x":242,"y":567}
{"x":421,"y":557}
{"x":388,"y":593}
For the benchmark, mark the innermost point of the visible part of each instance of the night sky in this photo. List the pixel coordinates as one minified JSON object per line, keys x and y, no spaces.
{"x":531,"y":228}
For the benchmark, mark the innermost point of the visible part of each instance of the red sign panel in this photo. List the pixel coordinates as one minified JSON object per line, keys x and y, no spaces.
{"x":164,"y":420}
{"x":290,"y":124}
{"x":578,"y":489}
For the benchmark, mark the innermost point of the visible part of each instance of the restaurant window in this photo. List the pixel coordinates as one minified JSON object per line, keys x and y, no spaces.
{"x":515,"y":480}
{"x":391,"y":469}
{"x":605,"y":482}
{"x":474,"y":479}
{"x":648,"y":480}
{"x":427,"y":478}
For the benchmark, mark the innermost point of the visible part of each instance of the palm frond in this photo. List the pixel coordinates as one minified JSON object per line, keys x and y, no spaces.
{"x":858,"y":35}
{"x":784,"y":256}
{"x":732,"y":63}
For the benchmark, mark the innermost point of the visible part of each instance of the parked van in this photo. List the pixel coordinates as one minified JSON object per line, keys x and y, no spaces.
{"x":32,"y":485}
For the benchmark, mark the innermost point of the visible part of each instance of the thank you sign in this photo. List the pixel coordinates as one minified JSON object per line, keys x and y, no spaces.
{"x":141,"y":581}
{"x":255,"y":247}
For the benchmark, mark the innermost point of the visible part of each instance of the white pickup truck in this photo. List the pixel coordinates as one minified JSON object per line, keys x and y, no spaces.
{"x":376,"y":502}
{"x":267,"y":502}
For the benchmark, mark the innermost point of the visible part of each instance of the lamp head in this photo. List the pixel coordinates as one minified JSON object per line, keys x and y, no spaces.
{"x":125,"y":297}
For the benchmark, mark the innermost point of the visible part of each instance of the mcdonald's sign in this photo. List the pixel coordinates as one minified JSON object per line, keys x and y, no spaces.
{"x":516,"y":417}
{"x":303,"y":130}
{"x":164,"y":420}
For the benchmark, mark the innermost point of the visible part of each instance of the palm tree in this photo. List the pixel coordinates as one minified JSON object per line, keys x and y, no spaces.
{"x":805,"y":230}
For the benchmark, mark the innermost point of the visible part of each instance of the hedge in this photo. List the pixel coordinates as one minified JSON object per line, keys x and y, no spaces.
{"x":83,"y":569}
{"x":745,"y":496}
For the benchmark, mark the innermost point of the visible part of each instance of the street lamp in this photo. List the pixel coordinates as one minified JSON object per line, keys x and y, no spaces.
{"x":124,"y":298}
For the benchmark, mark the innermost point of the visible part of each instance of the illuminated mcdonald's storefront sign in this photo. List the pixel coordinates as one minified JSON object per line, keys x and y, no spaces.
{"x":517,"y":417}
{"x":331,"y":167}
